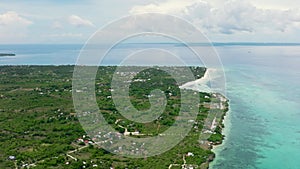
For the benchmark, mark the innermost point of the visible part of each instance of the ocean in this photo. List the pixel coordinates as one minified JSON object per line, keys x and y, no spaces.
{"x":263,"y":123}
{"x":263,"y":85}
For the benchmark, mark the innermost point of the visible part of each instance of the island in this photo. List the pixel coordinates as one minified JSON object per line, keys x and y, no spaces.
{"x":39,"y":127}
{"x":7,"y":54}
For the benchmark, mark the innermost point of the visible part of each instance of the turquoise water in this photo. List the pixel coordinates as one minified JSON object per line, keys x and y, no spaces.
{"x":263,"y":85}
{"x":263,"y":88}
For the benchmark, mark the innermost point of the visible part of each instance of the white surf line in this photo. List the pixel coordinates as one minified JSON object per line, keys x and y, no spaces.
{"x":200,"y":85}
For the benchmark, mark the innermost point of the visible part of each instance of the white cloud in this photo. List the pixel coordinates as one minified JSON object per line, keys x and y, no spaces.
{"x":79,"y":22}
{"x":220,"y":20}
{"x":167,"y":7}
{"x":232,"y":17}
{"x":13,"y":27}
{"x":238,"y":16}
{"x":13,"y":18}
{"x":65,"y":35}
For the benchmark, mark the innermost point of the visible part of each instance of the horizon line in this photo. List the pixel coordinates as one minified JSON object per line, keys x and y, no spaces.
{"x":179,"y":44}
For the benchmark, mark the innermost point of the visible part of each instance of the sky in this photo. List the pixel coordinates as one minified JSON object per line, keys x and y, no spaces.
{"x":74,"y":21}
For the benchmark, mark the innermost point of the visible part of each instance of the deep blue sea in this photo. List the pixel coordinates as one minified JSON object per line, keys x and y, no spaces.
{"x":263,"y":86}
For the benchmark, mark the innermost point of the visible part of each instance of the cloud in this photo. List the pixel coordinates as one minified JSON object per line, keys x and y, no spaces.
{"x":167,"y":7}
{"x":65,"y":35}
{"x":13,"y":27}
{"x":13,"y":18}
{"x":232,"y":17}
{"x":79,"y":22}
{"x":241,"y":16}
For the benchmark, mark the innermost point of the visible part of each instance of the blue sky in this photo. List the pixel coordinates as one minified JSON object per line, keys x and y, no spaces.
{"x":74,"y":21}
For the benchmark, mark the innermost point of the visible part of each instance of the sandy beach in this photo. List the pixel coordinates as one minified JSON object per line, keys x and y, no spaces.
{"x":202,"y":84}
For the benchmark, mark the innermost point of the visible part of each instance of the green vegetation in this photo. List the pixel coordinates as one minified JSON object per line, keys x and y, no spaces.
{"x":39,"y":127}
{"x":217,"y":137}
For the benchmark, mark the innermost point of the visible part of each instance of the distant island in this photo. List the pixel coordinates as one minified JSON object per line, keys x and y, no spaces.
{"x":7,"y":54}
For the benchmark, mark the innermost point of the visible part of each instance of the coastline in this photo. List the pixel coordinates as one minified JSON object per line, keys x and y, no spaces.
{"x":200,"y":85}
{"x":221,"y":123}
{"x":216,"y":149}
{"x":224,"y":131}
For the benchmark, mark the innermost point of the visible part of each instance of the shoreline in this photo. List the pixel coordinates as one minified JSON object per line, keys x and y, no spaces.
{"x":212,"y":145}
{"x":225,"y":132}
{"x":200,"y":85}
